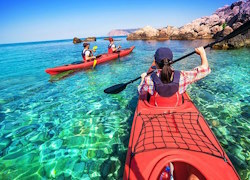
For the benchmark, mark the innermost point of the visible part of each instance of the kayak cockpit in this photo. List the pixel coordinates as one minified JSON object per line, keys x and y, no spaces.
{"x":183,"y":170}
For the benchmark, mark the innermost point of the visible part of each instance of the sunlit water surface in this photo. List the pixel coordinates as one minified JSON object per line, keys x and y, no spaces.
{"x":70,"y":129}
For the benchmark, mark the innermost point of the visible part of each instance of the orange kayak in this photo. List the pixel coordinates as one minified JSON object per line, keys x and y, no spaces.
{"x":178,"y":135}
{"x":100,"y":59}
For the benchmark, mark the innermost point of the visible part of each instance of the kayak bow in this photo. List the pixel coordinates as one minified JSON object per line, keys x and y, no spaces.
{"x":178,"y":135}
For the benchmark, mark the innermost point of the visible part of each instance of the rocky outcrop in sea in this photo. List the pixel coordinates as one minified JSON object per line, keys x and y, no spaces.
{"x":88,"y":39}
{"x":219,"y":24}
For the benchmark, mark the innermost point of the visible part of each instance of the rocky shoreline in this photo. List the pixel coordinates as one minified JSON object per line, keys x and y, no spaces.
{"x":220,"y":23}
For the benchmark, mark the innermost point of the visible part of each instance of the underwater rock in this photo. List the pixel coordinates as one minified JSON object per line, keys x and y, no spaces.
{"x":78,"y":169}
{"x":245,"y":111}
{"x":14,"y":155}
{"x":25,"y":130}
{"x":100,"y":154}
{"x":91,"y":154}
{"x":49,"y":125}
{"x":108,"y":167}
{"x":4,"y":143}
{"x":76,"y":141}
{"x":11,"y":125}
{"x":85,"y":176}
{"x":56,"y":144}
{"x":236,"y":161}
{"x":51,"y":145}
{"x":215,"y":123}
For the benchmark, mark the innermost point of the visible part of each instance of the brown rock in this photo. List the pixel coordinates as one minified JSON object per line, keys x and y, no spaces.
{"x":216,"y":29}
{"x":205,"y":33}
{"x":89,"y":39}
{"x":163,"y":34}
{"x":236,"y":10}
{"x":227,"y":30}
{"x":236,"y":42}
{"x":145,"y":33}
{"x":76,"y":40}
{"x":213,"y":20}
{"x":237,"y":25}
{"x":222,"y":21}
{"x":228,"y":18}
{"x":187,"y":32}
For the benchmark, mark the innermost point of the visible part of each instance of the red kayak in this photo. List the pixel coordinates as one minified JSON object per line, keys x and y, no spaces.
{"x":100,"y":59}
{"x":180,"y":136}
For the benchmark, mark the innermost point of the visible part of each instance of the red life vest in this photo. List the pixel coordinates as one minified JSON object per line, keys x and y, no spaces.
{"x":166,"y":95}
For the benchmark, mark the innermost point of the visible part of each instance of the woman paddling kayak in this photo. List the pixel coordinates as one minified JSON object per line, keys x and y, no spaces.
{"x":169,"y":83}
{"x":170,"y":139}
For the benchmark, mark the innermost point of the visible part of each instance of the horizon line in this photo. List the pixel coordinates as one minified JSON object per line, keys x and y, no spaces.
{"x":51,"y":40}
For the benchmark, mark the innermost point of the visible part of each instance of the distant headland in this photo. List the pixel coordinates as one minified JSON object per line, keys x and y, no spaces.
{"x":121,"y":32}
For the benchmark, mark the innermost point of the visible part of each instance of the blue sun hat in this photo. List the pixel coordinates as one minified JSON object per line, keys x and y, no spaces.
{"x":163,"y":53}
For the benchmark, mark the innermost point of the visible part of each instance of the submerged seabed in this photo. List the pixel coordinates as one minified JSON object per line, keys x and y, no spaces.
{"x":71,"y":129}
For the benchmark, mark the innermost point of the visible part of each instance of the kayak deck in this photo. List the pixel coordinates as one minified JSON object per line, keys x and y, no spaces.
{"x":85,"y":65}
{"x":179,"y":135}
{"x":173,"y":131}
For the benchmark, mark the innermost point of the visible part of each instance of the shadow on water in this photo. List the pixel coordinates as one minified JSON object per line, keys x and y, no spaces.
{"x":107,"y":166}
{"x":61,"y":76}
{"x":2,"y":115}
{"x":69,"y":73}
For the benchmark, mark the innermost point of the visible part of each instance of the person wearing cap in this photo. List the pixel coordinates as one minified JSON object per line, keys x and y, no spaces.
{"x":170,"y":84}
{"x":87,"y":54}
{"x":112,"y":47}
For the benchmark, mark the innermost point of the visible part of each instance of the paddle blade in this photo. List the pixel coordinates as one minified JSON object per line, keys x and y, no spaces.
{"x":94,"y":64}
{"x":95,"y":48}
{"x":115,"y":89}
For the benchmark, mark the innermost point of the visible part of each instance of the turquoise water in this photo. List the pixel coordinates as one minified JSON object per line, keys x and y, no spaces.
{"x":70,"y":129}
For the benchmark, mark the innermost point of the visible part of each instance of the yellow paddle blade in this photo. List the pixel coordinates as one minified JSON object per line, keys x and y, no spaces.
{"x":95,"y":48}
{"x":94,"y":64}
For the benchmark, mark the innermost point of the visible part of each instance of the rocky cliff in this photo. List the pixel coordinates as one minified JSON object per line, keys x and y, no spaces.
{"x":226,"y":18}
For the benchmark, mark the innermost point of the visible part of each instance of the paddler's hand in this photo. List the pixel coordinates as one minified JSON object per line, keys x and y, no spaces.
{"x":143,"y":75}
{"x":93,"y":57}
{"x":200,"y":51}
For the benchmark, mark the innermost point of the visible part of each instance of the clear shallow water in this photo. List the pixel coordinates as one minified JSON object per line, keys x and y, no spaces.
{"x":71,"y":129}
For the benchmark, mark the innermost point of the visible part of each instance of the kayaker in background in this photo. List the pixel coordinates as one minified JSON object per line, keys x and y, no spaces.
{"x":87,"y":54}
{"x":168,"y":83}
{"x":112,"y":47}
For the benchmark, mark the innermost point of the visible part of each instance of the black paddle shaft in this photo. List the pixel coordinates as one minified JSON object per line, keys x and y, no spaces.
{"x":120,"y":87}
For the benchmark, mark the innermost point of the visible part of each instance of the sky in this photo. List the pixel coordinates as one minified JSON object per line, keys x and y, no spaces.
{"x":40,"y":20}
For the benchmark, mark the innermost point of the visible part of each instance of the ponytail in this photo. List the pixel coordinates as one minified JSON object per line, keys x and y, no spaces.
{"x":166,"y":72}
